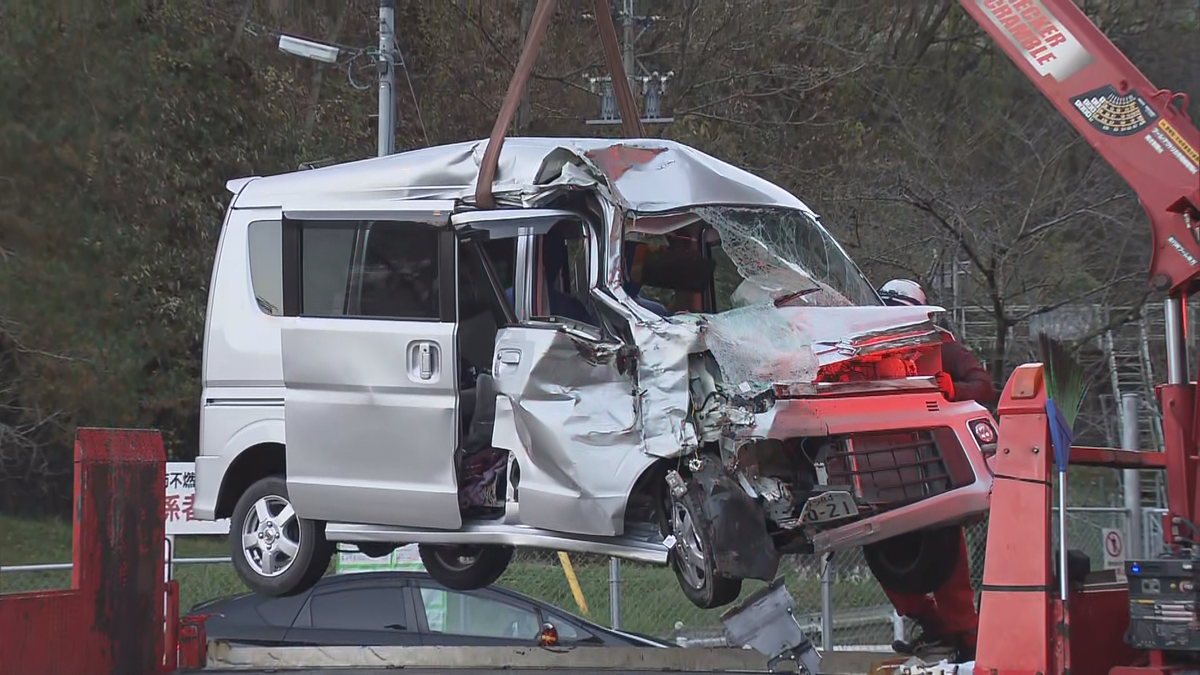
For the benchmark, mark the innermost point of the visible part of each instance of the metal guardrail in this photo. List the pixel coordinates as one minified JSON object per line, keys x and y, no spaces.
{"x":66,"y":567}
{"x":48,"y":567}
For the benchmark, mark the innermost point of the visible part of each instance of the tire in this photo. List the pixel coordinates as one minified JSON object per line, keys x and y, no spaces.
{"x":373,"y":550}
{"x":465,"y":568}
{"x":917,"y":562}
{"x":694,"y":568}
{"x":298,"y":555}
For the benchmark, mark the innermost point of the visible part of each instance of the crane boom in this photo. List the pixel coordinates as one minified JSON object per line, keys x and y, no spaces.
{"x":1143,"y":132}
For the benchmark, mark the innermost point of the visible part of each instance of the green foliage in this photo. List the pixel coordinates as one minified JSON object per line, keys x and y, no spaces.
{"x":125,"y":125}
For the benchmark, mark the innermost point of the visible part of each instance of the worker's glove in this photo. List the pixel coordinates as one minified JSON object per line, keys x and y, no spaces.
{"x":946,"y":384}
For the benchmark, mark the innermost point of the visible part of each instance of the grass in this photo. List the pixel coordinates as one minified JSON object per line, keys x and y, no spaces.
{"x":32,"y":542}
{"x":38,"y":542}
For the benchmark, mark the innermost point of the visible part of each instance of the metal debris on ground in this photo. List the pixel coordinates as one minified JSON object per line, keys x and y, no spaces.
{"x":766,"y":622}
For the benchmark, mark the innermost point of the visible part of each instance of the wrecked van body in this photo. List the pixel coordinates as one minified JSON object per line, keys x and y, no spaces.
{"x":644,"y":352}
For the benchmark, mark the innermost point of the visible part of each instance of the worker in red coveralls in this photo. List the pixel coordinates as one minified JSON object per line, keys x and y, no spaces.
{"x":948,"y":618}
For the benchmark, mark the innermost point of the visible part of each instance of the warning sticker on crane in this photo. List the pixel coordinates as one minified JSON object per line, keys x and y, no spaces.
{"x":1113,"y":113}
{"x":1045,"y":42}
{"x":1164,"y":138}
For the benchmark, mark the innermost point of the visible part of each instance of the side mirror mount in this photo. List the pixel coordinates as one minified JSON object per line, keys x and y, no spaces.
{"x":548,"y":636}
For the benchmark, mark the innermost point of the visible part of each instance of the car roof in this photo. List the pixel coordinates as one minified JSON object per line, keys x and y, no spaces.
{"x":334,"y":580}
{"x":640,"y":175}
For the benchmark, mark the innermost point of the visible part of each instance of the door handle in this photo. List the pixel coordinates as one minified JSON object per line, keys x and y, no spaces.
{"x":423,"y":361}
{"x":510,"y":357}
{"x":426,"y":362}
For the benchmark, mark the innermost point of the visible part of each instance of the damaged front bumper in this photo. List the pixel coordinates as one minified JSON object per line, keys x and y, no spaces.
{"x":912,"y":459}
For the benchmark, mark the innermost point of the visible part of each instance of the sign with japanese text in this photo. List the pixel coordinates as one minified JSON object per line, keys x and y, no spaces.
{"x":181,"y":496}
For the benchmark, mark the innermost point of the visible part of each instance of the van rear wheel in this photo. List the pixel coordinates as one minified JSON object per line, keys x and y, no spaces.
{"x":275,"y":552}
{"x":465,"y":568}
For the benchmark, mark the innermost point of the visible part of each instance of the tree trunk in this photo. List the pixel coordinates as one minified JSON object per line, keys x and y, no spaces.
{"x":318,"y":76}
{"x":240,"y":28}
{"x":999,"y":360}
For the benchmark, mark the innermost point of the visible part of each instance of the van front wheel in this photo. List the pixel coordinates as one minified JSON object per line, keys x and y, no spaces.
{"x":275,"y":552}
{"x":465,"y":568}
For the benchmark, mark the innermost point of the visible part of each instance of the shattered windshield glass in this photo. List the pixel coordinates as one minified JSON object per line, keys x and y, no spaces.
{"x":779,"y":252}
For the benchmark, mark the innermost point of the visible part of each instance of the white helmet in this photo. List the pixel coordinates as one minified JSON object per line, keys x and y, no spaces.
{"x":902,"y":292}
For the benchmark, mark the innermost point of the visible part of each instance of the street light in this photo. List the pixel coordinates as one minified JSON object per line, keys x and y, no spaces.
{"x":308,"y":49}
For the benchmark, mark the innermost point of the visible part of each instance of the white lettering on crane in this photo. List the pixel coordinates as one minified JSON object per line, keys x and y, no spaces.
{"x":1045,"y":43}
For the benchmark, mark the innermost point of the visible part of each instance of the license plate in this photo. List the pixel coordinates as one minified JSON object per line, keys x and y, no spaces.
{"x":828,"y":506}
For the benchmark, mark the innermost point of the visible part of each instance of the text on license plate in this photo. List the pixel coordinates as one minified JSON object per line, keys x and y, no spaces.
{"x":828,"y":506}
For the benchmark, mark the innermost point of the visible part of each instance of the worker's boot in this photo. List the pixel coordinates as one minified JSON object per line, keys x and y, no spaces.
{"x":929,"y":640}
{"x":964,"y":648}
{"x":932,"y":646}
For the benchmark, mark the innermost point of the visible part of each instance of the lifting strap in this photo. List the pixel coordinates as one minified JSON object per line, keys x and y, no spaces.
{"x":631,"y":123}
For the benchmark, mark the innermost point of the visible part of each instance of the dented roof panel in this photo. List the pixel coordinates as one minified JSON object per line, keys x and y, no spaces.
{"x":532,"y":170}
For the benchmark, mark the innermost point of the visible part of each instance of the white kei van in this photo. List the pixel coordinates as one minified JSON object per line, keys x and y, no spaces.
{"x":645,"y":352}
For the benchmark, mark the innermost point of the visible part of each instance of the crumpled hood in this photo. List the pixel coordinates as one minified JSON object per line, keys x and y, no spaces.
{"x":761,"y":345}
{"x":840,"y":333}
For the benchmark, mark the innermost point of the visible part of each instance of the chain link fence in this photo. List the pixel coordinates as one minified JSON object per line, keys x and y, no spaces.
{"x":648,"y":597}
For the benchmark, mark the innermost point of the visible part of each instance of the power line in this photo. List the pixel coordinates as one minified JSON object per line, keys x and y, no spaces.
{"x":416,"y":104}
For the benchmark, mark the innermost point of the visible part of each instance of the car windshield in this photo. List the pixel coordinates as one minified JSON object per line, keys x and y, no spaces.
{"x":779,"y":252}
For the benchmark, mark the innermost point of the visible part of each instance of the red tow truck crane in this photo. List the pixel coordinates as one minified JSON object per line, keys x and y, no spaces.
{"x":1145,"y":134}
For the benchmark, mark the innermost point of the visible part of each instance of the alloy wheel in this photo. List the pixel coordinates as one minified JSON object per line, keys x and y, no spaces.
{"x":271,"y":536}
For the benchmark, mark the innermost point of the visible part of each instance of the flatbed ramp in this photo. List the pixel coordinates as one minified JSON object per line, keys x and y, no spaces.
{"x":483,"y":660}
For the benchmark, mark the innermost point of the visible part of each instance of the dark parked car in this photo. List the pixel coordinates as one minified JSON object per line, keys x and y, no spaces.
{"x":400,"y":608}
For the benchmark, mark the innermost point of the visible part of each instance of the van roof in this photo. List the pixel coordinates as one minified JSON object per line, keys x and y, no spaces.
{"x":640,"y":175}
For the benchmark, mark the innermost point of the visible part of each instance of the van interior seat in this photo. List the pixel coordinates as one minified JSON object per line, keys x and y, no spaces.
{"x":478,"y":430}
{"x":477,"y":400}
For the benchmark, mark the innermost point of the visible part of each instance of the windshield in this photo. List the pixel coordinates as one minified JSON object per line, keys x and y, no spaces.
{"x":779,"y":252}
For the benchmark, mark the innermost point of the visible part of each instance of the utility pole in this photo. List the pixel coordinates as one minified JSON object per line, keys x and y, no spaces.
{"x":627,"y":46}
{"x":652,"y":86}
{"x":387,"y":77}
{"x":1132,"y":478}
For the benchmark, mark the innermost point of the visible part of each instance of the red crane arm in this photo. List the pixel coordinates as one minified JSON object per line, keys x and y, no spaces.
{"x":1136,"y":128}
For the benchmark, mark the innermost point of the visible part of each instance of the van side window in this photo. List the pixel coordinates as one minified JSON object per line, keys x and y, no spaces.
{"x":326,"y":258}
{"x":561,"y":274}
{"x":399,"y":272}
{"x":266,"y":265}
{"x":377,"y":269}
